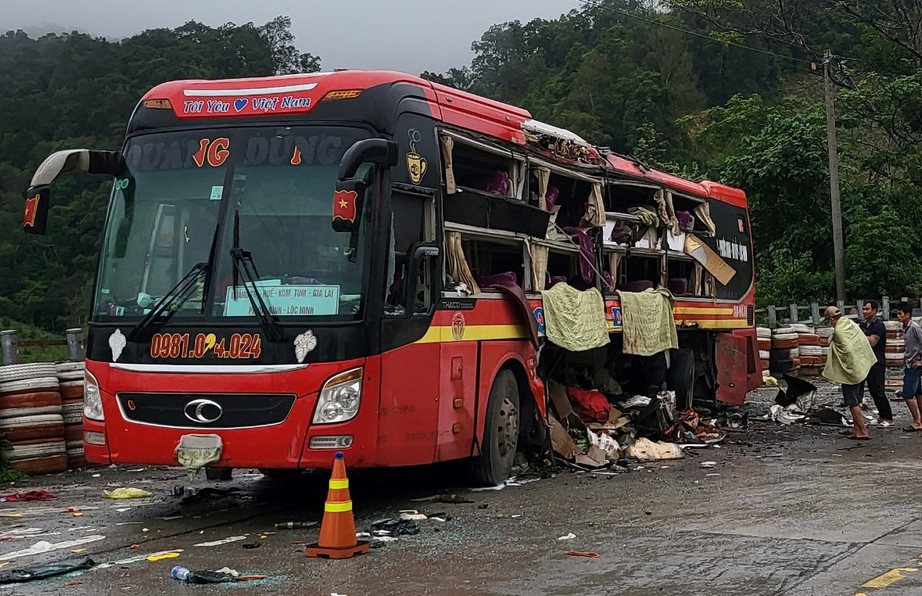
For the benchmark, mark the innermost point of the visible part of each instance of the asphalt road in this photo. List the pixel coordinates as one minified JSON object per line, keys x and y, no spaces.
{"x":784,"y":510}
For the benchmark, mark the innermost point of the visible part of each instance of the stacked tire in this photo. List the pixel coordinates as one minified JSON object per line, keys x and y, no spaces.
{"x":784,"y":357}
{"x":896,"y":350}
{"x":825,"y":334}
{"x":764,"y":338}
{"x":70,"y":376}
{"x":812,"y":357}
{"x":31,"y":420}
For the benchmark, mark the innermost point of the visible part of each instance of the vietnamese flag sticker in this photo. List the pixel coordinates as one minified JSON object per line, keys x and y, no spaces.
{"x":31,"y":210}
{"x":344,"y":205}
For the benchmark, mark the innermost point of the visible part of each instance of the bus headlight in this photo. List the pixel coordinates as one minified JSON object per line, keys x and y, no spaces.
{"x":340,"y":397}
{"x":92,"y":399}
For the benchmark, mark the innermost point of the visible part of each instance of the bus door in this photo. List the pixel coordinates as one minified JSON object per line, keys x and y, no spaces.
{"x":410,"y":371}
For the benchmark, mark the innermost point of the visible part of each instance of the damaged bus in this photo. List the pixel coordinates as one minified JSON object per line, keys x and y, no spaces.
{"x":374,"y":263}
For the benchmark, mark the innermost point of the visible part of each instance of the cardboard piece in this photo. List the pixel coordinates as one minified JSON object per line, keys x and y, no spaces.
{"x":709,"y":259}
{"x":621,"y":422}
{"x":559,"y":400}
{"x":590,"y":462}
{"x":561,"y":441}
{"x":596,"y":454}
{"x":615,"y":421}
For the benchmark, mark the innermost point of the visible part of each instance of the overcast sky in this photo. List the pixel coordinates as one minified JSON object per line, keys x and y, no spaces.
{"x":406,"y":35}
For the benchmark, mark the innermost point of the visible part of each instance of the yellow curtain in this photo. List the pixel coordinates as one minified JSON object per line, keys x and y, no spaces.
{"x":670,"y":209}
{"x":458,"y":269}
{"x":703,"y":212}
{"x":538,"y":266}
{"x":543,"y":176}
{"x":447,"y":144}
{"x":660,"y":199}
{"x":614,"y":264}
{"x":595,"y":208}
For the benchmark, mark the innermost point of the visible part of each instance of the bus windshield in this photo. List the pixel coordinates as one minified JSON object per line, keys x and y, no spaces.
{"x":188,"y":197}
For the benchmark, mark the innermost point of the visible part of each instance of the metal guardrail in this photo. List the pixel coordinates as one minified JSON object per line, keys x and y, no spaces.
{"x":775,"y":315}
{"x":10,"y":344}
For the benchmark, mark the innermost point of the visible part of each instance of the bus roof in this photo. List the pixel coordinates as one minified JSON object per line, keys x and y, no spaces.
{"x":299,"y":93}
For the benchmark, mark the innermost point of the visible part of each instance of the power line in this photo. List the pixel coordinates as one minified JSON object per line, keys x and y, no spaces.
{"x":696,"y":34}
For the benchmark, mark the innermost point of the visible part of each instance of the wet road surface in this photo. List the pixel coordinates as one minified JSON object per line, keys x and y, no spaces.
{"x":785,"y":510}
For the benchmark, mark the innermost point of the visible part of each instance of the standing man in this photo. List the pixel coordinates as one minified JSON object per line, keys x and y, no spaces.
{"x":850,"y":359}
{"x":912,"y":376}
{"x":874,"y":329}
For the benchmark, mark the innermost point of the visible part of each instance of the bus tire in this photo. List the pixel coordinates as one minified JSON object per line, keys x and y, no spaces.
{"x":500,"y":432}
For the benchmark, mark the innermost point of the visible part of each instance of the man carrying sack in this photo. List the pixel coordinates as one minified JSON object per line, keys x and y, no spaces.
{"x":850,"y":359}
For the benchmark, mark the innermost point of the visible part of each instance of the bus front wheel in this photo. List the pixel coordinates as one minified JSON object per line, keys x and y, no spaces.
{"x":501,"y":432}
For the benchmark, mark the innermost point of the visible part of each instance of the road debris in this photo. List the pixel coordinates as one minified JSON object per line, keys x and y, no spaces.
{"x":192,"y":495}
{"x":203,"y":577}
{"x":454,"y":499}
{"x":46,"y":547}
{"x":569,"y":536}
{"x":644,"y":449}
{"x":514,"y":481}
{"x":222,"y":541}
{"x":577,"y":553}
{"x":32,"y":495}
{"x":126,"y":493}
{"x":27,"y":574}
{"x":412,"y":515}
{"x":378,"y":536}
{"x":135,"y":559}
{"x":394,"y":527}
{"x":293,"y":525}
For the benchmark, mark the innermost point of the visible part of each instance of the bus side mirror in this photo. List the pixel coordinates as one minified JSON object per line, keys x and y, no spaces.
{"x":35,"y":213}
{"x":413,"y":289}
{"x":71,"y":161}
{"x":376,"y":151}
{"x":347,"y":204}
{"x":350,"y":191}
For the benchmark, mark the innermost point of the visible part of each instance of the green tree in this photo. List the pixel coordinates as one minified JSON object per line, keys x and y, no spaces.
{"x":879,"y":258}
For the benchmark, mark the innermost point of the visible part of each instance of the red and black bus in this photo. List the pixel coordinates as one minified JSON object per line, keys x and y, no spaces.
{"x":274,"y":283}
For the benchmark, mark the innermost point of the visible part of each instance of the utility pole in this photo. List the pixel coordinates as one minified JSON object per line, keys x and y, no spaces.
{"x":837,"y":242}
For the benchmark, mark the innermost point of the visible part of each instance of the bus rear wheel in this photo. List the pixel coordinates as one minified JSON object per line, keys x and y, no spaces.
{"x":501,"y":432}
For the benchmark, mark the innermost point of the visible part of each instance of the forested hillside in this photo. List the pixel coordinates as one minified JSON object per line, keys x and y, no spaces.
{"x":67,"y":91}
{"x":722,"y":89}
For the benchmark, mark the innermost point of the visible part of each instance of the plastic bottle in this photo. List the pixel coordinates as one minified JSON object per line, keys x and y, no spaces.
{"x":181,"y":573}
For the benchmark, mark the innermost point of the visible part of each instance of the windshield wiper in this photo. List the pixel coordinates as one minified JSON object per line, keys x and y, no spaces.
{"x":167,"y":306}
{"x":243,"y":264}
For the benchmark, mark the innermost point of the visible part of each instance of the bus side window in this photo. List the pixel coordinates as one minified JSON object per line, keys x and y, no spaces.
{"x":410,"y":224}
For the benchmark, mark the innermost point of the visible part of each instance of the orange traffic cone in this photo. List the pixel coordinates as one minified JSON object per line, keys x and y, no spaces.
{"x":337,"y":531}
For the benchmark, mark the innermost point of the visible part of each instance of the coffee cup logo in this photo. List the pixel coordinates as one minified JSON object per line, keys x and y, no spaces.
{"x":457,"y":326}
{"x":416,"y":163}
